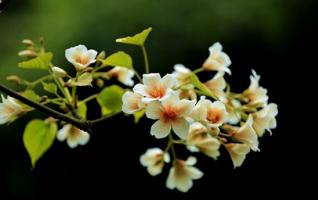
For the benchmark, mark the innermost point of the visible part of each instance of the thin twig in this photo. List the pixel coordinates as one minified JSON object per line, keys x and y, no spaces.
{"x":80,"y":123}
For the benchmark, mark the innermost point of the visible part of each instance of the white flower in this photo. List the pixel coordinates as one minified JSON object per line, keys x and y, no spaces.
{"x":213,"y":113}
{"x":154,"y":160}
{"x":171,"y":112}
{"x":73,"y":136}
{"x":155,"y":87}
{"x":218,"y":60}
{"x":182,"y":73}
{"x":123,"y":74}
{"x":237,"y":152}
{"x":182,"y":173}
{"x":200,"y":140}
{"x":80,"y":57}
{"x":265,"y":119}
{"x":255,"y":93}
{"x":9,"y":109}
{"x":132,"y":102}
{"x":217,"y":83}
{"x":246,"y":134}
{"x":216,"y":113}
{"x":58,"y":72}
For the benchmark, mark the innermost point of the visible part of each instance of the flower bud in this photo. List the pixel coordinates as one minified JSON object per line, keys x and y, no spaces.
{"x":27,"y":53}
{"x":58,"y":72}
{"x":28,"y":42}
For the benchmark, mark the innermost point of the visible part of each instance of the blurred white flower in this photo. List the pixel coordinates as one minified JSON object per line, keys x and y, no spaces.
{"x":123,"y":75}
{"x":233,"y":116}
{"x":200,"y":110}
{"x":182,"y":173}
{"x":182,"y":73}
{"x":246,"y":134}
{"x":199,"y":140}
{"x":218,"y":60}
{"x":237,"y":152}
{"x":255,"y":93}
{"x":217,"y":83}
{"x":132,"y":102}
{"x":73,"y":136}
{"x":80,"y":57}
{"x":154,"y":160}
{"x":155,"y":87}
{"x":171,"y":113}
{"x":265,"y":119}
{"x":9,"y":109}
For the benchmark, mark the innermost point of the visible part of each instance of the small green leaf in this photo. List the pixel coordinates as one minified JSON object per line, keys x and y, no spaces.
{"x":50,"y":87}
{"x":198,"y":84}
{"x":84,"y":79}
{"x":119,"y":58}
{"x":30,"y":94}
{"x":110,"y":99}
{"x":82,"y":110}
{"x":138,"y":39}
{"x":41,"y":62}
{"x":138,"y":115}
{"x":38,"y":137}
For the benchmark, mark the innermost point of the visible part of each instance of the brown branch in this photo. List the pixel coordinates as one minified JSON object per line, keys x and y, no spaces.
{"x":80,"y":123}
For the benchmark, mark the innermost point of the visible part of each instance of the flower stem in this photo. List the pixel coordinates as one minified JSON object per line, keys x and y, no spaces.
{"x":137,"y":75}
{"x":198,"y":70}
{"x":144,"y":52}
{"x":173,"y":151}
{"x":88,"y":99}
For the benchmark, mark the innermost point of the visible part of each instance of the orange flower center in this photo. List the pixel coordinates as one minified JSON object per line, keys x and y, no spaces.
{"x":81,"y":59}
{"x":170,"y":113}
{"x":157,"y":92}
{"x":214,"y":116}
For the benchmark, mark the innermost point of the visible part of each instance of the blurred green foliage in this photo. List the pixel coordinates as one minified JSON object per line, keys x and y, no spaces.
{"x":179,"y":26}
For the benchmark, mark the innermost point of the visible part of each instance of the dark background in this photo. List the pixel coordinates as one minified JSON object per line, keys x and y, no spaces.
{"x":274,"y":37}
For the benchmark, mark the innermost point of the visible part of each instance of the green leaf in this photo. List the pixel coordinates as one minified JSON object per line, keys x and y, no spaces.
{"x":138,"y":39}
{"x":84,"y":79}
{"x":41,"y":62}
{"x":82,"y":110}
{"x":38,"y":137}
{"x":198,"y":84}
{"x":110,"y":99}
{"x":119,"y":58}
{"x":138,"y":115}
{"x":50,"y":87}
{"x":30,"y":94}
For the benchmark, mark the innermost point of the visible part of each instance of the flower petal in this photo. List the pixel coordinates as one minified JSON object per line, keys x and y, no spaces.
{"x":181,"y":128}
{"x":151,"y":80}
{"x":160,"y":129}
{"x":154,"y":110}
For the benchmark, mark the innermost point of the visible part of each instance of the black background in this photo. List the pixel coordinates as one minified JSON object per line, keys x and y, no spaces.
{"x":109,"y":164}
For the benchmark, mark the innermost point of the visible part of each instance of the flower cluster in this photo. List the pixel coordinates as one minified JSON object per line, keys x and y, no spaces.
{"x":203,"y":116}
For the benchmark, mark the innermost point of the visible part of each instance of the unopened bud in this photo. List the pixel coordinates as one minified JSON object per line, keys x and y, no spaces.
{"x":101,"y":56}
{"x":58,"y":72}
{"x":100,"y":83}
{"x":28,"y":42}
{"x":27,"y":53}
{"x":41,"y":40}
{"x":14,"y":78}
